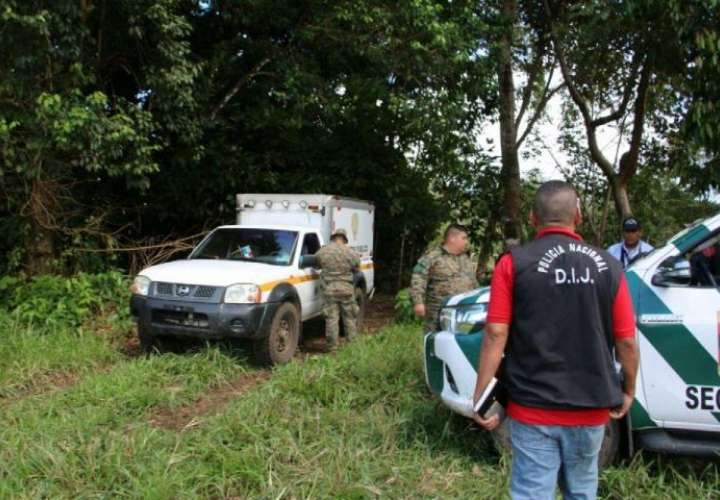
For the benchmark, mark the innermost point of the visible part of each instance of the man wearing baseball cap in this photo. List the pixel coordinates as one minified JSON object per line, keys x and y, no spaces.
{"x":632,"y":246}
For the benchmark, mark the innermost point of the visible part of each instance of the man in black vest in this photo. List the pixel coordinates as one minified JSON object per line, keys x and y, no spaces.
{"x":557,"y":309}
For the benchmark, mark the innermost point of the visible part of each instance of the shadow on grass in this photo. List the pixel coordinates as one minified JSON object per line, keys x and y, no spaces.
{"x":238,"y":349}
{"x":690,"y":468}
{"x":442,"y":432}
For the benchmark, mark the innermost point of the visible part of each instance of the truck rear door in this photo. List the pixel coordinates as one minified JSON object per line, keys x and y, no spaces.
{"x":358,"y":220}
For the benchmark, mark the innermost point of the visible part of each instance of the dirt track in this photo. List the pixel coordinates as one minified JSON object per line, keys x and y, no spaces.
{"x":378,"y":315}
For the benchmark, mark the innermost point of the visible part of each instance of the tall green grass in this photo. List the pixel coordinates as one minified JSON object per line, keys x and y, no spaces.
{"x":358,"y":424}
{"x":34,"y":358}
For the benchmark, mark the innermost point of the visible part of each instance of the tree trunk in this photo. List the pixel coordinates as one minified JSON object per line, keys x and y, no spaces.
{"x":512,"y":227}
{"x":620,"y":196}
{"x":486,"y":247}
{"x":402,"y":260}
{"x":40,"y":240}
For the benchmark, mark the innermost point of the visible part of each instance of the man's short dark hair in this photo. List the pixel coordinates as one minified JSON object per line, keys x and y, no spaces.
{"x":454,"y":229}
{"x":556,"y":202}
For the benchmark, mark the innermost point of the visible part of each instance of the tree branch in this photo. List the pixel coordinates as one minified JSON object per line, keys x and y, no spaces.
{"x":173,"y":243}
{"x":539,"y":110}
{"x":238,"y":85}
{"x":629,"y":161}
{"x":533,"y":73}
{"x":595,"y":152}
{"x":627,"y":93}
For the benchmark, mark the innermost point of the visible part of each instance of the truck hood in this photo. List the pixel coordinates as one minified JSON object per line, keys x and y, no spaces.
{"x":215,"y":272}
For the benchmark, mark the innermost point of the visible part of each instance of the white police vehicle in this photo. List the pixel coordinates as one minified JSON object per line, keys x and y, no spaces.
{"x":256,"y":279}
{"x":676,"y":294}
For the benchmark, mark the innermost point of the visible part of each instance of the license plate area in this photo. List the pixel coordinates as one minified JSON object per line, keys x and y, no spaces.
{"x":180,"y":316}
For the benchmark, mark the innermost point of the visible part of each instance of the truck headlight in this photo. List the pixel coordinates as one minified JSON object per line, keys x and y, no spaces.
{"x":465,"y":319}
{"x":242,"y":293}
{"x":141,"y":286}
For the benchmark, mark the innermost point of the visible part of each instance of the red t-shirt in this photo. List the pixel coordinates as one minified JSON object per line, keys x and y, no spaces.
{"x":500,"y":311}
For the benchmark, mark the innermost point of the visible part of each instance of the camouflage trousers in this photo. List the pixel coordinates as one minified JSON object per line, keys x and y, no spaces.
{"x":431,"y":316}
{"x":334,"y":309}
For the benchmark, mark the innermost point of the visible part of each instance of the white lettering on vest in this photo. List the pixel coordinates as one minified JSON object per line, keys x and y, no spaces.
{"x":572,"y":277}
{"x":547,"y":259}
{"x":594,"y":255}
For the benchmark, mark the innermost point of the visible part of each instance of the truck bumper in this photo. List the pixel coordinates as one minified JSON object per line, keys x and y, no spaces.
{"x":201,"y":320}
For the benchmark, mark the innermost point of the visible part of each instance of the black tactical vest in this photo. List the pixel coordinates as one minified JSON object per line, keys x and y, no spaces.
{"x":559,"y":353}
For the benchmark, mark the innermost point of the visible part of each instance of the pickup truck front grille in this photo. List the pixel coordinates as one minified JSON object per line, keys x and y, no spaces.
{"x":205,"y":291}
{"x":181,"y":291}
{"x":164,"y":288}
{"x":180,"y":318}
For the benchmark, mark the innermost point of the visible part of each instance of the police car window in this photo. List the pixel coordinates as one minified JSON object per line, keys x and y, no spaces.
{"x":698,"y":267}
{"x":705,"y":263}
{"x":311,"y":244}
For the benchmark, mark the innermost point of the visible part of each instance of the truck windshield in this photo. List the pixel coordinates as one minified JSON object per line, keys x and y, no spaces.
{"x":267,"y":246}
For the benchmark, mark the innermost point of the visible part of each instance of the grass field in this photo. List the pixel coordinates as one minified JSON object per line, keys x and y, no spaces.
{"x":81,"y":418}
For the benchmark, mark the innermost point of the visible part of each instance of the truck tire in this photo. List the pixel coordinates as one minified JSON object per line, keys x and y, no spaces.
{"x":608,"y":450}
{"x":361,"y":299}
{"x":148,"y":342}
{"x":281,"y":342}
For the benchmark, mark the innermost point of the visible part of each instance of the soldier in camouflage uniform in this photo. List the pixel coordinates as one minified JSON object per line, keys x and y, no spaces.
{"x":442,"y":272}
{"x":338,"y":263}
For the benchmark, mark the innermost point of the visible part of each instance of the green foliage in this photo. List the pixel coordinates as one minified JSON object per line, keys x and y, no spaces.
{"x":205,"y":100}
{"x":380,"y":100}
{"x":404,"y":313}
{"x":91,"y":92}
{"x":58,"y":301}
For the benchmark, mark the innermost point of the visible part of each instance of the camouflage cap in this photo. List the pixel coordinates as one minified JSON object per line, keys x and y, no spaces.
{"x":340,"y":232}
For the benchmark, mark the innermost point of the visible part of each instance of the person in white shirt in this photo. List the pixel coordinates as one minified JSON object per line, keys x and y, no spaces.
{"x":632,"y":246}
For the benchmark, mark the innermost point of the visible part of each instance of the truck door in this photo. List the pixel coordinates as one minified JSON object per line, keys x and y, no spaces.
{"x":309,"y":287}
{"x":679,"y":320}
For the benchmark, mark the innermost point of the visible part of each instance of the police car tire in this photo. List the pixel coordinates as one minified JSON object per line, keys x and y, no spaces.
{"x":501,"y":438}
{"x":608,"y":450}
{"x":279,"y":346}
{"x":610,"y":445}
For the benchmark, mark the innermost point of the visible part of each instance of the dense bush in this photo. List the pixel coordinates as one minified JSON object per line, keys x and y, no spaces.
{"x":51,"y":300}
{"x":404,"y":308}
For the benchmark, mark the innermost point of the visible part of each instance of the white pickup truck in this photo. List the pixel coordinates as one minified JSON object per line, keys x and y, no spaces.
{"x":255,"y":279}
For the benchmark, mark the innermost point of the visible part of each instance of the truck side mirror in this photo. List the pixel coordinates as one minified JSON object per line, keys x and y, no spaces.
{"x":308,"y":261}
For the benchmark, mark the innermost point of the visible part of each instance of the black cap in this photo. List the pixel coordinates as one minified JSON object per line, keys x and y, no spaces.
{"x":630,"y":224}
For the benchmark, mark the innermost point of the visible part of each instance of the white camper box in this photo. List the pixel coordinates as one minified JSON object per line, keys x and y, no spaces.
{"x":323,"y":212}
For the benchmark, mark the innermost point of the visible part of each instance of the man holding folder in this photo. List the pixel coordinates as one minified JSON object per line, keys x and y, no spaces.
{"x":557,"y":309}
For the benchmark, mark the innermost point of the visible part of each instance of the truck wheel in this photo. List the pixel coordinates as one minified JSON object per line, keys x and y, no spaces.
{"x":608,"y":450}
{"x":279,"y":346}
{"x":148,"y":342}
{"x":361,"y":299}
